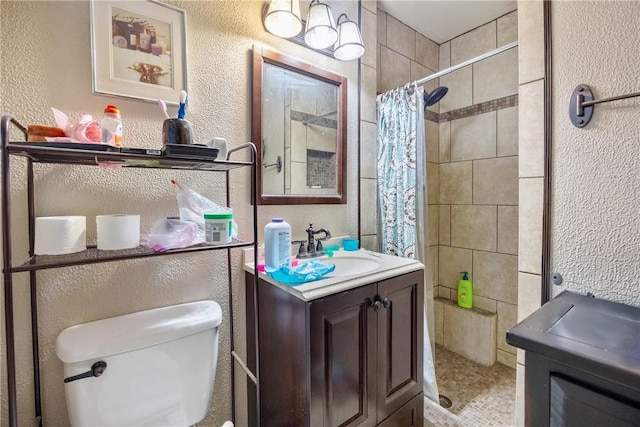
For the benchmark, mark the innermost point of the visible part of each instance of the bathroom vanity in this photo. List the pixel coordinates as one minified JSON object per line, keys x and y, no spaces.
{"x":345,"y":350}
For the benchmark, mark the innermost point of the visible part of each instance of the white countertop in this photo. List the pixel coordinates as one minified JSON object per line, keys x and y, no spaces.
{"x":390,"y":266}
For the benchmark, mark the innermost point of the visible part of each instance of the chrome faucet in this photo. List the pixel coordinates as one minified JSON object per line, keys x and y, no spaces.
{"x":313,"y":245}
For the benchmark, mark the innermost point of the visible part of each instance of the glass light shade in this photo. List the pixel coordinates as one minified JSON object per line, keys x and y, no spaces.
{"x":349,"y":45}
{"x":321,"y":28}
{"x":283,"y":18}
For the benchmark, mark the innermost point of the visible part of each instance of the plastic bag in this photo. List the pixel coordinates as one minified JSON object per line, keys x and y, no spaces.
{"x":193,"y":206}
{"x":170,"y":234}
{"x":308,"y":272}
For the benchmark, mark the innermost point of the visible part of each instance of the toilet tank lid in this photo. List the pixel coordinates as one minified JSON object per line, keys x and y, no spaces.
{"x":134,"y":331}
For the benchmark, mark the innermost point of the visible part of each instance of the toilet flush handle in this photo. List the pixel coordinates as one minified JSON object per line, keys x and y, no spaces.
{"x":96,"y":370}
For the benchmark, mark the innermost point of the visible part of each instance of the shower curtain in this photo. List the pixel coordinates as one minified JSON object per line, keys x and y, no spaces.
{"x":401,"y":189}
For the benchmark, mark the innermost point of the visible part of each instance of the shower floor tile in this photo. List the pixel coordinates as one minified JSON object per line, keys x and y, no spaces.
{"x":480,"y":396}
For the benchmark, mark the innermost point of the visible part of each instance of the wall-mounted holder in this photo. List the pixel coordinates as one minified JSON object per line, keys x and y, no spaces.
{"x":582,"y":102}
{"x":277,"y":164}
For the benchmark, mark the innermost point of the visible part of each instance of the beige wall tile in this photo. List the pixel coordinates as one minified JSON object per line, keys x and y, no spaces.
{"x":460,"y":92}
{"x":434,"y":251}
{"x":369,"y":36}
{"x":444,"y":57}
{"x":520,"y":356}
{"x":451,"y":261}
{"x":433,"y":183}
{"x":496,"y":276}
{"x":382,"y":27}
{"x":444,"y":234}
{"x":287,"y":173}
{"x":378,"y":69}
{"x":507,"y":315}
{"x":432,"y":131}
{"x":321,"y":138}
{"x":508,"y":28}
{"x":401,"y":38}
{"x":474,"y":227}
{"x":495,"y":181}
{"x":439,"y":321}
{"x":474,"y":43}
{"x":507,"y":135}
{"x":298,"y":186}
{"x":531,"y":138}
{"x":496,"y":77}
{"x":371,"y":5}
{"x":484,"y":303}
{"x":456,"y":186}
{"x":433,"y":224}
{"x":419,"y":71}
{"x":445,"y":142}
{"x":444,"y":292}
{"x":368,"y":149}
{"x":529,"y":294}
{"x":395,"y":70}
{"x":299,"y":133}
{"x":427,"y":52}
{"x":473,"y":137}
{"x":368,"y":99}
{"x":530,"y":40}
{"x":470,"y":333}
{"x":530,"y":225}
{"x":368,"y":211}
{"x":369,"y":242}
{"x":508,"y":230}
{"x":505,"y":358}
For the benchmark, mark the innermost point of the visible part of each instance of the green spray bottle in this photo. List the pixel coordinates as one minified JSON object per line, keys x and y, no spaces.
{"x":465,"y":291}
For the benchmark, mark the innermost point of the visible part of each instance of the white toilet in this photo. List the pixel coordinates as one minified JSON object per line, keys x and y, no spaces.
{"x":152,"y":368}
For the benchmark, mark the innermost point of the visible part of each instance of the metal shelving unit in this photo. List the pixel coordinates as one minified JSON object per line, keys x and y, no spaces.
{"x":37,"y":153}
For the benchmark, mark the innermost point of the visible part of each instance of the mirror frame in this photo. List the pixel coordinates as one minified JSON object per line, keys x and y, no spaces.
{"x":264,"y":56}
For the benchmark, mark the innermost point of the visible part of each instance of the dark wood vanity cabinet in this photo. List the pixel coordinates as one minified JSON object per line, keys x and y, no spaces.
{"x":347,"y":359}
{"x":582,"y":363}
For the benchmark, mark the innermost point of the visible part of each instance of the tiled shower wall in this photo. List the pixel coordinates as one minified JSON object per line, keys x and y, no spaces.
{"x":471,"y":160}
{"x":478,"y":174}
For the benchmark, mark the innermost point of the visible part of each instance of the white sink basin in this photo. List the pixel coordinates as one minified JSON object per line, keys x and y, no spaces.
{"x":351,"y":265}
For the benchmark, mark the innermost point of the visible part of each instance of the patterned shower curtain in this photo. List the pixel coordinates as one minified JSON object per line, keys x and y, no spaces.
{"x":401,"y":189}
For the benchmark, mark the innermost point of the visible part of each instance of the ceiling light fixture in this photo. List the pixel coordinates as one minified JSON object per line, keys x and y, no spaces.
{"x":321,"y":30}
{"x":282,"y":18}
{"x":349,"y":44}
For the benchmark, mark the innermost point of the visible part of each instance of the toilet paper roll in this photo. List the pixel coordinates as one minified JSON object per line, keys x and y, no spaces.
{"x":57,"y":235}
{"x":118,"y":231}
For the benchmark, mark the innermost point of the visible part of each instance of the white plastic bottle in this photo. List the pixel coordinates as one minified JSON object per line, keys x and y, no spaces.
{"x":112,"y":126}
{"x":277,"y":243}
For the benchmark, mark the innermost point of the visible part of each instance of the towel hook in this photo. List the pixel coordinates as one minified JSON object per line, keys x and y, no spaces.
{"x":582,"y":102}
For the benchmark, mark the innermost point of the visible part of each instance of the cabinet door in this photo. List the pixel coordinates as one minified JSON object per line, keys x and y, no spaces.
{"x":410,"y":415}
{"x":400,"y":340}
{"x":343,"y":358}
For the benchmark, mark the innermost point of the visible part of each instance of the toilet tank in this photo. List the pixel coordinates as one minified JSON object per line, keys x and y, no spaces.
{"x":160,"y":367}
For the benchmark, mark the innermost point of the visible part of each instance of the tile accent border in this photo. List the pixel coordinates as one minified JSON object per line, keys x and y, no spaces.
{"x":472,"y":110}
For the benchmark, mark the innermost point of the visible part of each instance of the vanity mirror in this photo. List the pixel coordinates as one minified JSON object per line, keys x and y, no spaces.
{"x":299,"y":127}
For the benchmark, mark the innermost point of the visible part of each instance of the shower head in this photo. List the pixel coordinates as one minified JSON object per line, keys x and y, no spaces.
{"x":435,"y":96}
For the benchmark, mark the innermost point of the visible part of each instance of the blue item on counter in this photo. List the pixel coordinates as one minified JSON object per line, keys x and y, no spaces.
{"x":307,"y":272}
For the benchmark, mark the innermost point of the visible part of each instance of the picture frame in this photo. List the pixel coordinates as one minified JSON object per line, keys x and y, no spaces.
{"x":138,"y":50}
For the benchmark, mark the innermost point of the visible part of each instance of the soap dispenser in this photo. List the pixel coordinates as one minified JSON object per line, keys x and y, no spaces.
{"x":465,"y":291}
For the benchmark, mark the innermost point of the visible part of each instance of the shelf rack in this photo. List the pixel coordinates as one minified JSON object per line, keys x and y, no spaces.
{"x":37,"y":153}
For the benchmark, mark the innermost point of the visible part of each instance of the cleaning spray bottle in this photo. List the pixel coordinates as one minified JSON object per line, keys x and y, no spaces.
{"x":465,"y":291}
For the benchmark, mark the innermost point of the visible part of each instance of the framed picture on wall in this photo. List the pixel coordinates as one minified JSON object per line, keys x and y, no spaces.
{"x":138,"y":50}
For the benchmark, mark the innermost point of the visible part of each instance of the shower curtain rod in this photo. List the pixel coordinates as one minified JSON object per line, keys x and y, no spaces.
{"x":467,"y":62}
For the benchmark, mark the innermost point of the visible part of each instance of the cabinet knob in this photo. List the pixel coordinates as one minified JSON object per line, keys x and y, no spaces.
{"x":376,"y":305}
{"x":386,"y":303}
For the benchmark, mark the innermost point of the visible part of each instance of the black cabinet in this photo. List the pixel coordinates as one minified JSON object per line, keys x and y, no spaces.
{"x":347,"y":359}
{"x":582,"y":363}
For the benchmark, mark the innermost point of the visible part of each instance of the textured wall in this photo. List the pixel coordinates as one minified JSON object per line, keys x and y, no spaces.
{"x":46,"y":61}
{"x":596,"y":170}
